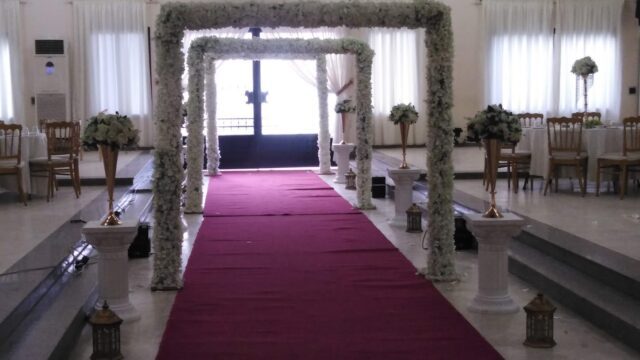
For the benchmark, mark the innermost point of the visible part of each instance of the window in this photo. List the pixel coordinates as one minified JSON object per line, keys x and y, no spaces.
{"x":530,"y":56}
{"x":118,"y":68}
{"x":6,"y":92}
{"x":111,"y":62}
{"x":395,"y":79}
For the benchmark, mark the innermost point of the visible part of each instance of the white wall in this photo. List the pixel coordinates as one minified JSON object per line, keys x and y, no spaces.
{"x":42,"y":19}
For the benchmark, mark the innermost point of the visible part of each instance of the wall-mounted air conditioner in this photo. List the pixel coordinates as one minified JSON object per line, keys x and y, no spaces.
{"x":51,"y":80}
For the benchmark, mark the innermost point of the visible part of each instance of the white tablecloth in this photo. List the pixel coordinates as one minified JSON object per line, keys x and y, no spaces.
{"x":33,"y":146}
{"x":594,"y":141}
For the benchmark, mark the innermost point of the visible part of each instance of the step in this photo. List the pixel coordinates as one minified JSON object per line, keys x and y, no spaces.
{"x":615,"y":312}
{"x":45,"y":300}
{"x":616,"y":270}
{"x":52,"y":326}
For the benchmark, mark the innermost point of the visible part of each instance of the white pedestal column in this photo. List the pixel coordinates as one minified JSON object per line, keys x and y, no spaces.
{"x":493,"y":237}
{"x":342,"y":152}
{"x":112,"y":243}
{"x":403,"y":193}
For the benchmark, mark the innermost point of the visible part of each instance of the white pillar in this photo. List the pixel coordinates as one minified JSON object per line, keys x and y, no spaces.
{"x":402,"y":193}
{"x":493,"y":237}
{"x":342,"y":152}
{"x":112,"y":244}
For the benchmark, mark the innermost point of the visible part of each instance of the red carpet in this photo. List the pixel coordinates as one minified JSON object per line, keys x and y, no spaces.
{"x":308,"y":287}
{"x":273,"y":193}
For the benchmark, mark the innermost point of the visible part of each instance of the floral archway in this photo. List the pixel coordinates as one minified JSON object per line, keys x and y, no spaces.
{"x":204,"y":50}
{"x":175,"y":18}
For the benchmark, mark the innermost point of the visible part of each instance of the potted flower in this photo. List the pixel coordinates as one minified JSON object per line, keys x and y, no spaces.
{"x":496,"y":123}
{"x":110,"y":133}
{"x":343,"y":108}
{"x":403,"y":115}
{"x":584,"y":69}
{"x":494,"y":126}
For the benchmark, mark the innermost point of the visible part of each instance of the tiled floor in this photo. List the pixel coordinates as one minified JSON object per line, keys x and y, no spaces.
{"x":576,"y":338}
{"x":23,"y":227}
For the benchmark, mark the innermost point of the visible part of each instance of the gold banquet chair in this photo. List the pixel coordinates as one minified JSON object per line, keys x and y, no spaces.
{"x":594,"y":115}
{"x":77,"y":156}
{"x":629,"y":157}
{"x":10,"y":154}
{"x":565,"y":149}
{"x":61,"y":144}
{"x":512,"y":160}
{"x":528,"y":120}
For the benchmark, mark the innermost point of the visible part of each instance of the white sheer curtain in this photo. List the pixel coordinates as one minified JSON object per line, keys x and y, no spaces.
{"x":340,"y":70}
{"x":590,"y":28}
{"x":111,"y":62}
{"x":191,"y":35}
{"x":519,"y":69}
{"x":396,"y":78}
{"x":11,"y":104}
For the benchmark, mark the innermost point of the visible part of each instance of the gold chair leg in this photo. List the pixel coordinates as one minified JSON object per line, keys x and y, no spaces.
{"x":623,"y":181}
{"x":581,"y":181}
{"x":598,"y":178}
{"x":548,"y":179}
{"x":76,"y":174}
{"x":23,"y":197}
{"x":72,"y":176}
{"x":49,"y":184}
{"x":514,"y":174}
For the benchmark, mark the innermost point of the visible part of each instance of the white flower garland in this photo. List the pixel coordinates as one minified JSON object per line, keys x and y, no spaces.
{"x":195,"y":141}
{"x":324,"y":153}
{"x":174,"y":18}
{"x":440,"y":229}
{"x":227,"y":48}
{"x":213,"y":148}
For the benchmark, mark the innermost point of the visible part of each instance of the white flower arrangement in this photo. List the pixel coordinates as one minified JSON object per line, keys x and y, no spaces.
{"x":113,"y":130}
{"x":584,"y":67}
{"x":435,"y":17}
{"x":496,"y":123}
{"x":345,"y":106}
{"x":403,"y":113}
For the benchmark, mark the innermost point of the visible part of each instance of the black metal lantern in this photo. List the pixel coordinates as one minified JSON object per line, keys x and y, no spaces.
{"x":414,"y":219}
{"x":540,"y":323}
{"x":350,"y":176}
{"x":106,"y":334}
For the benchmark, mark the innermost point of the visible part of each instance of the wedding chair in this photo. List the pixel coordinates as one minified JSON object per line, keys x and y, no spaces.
{"x":10,"y":154}
{"x":528,"y":120}
{"x":564,"y":137}
{"x":589,"y":115}
{"x":77,"y":156}
{"x":61,"y":144}
{"x":629,"y":157}
{"x":515,"y":162}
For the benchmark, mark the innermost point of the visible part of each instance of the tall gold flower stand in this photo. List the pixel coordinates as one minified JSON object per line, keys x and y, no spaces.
{"x":112,"y":244}
{"x":493,"y":235}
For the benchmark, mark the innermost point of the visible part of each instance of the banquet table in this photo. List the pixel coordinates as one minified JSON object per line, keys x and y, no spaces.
{"x":595,"y":142}
{"x":33,"y":145}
